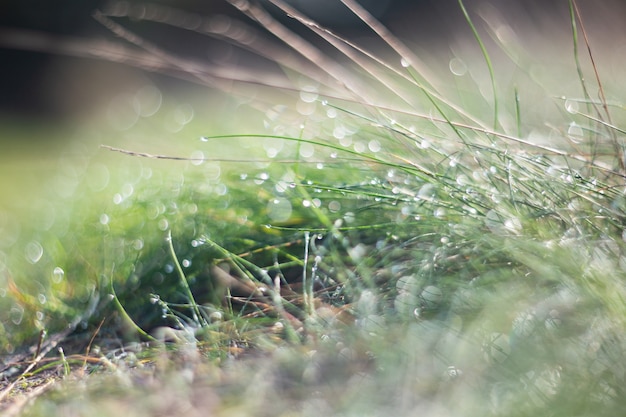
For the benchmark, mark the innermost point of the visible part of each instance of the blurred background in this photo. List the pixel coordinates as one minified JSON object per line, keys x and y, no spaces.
{"x":38,"y":83}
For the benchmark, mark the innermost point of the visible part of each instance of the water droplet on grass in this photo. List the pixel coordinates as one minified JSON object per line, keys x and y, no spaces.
{"x":307,"y":150}
{"x":571,"y":106}
{"x":148,"y":100}
{"x":309,"y":94}
{"x":339,"y":132}
{"x":261,"y":178}
{"x":16,"y":314}
{"x":33,"y":252}
{"x":127,"y":190}
{"x":374,"y":146}
{"x":197,"y":157}
{"x":575,"y":133}
{"x":58,"y":274}
{"x":183,"y":114}
{"x":458,"y":67}
{"x":453,"y":373}
{"x":334,"y":206}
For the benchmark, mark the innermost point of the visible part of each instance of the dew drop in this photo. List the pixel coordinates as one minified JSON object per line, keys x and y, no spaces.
{"x":183,"y":114}
{"x":349,"y":217}
{"x":264,"y":176}
{"x":575,"y":132}
{"x":339,"y":132}
{"x":571,"y":106}
{"x":138,"y":244}
{"x":197,"y":157}
{"x":458,"y":67}
{"x":307,"y":150}
{"x":16,"y":314}
{"x":163,"y":224}
{"x":405,"y":63}
{"x":148,"y":100}
{"x":334,"y":206}
{"x":309,"y":94}
{"x":33,"y":252}
{"x":58,"y":274}
{"x":374,"y":146}
{"x":127,"y":190}
{"x":359,"y":147}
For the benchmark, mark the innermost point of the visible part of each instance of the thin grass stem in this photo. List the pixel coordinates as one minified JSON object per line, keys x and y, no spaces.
{"x":487,"y":58}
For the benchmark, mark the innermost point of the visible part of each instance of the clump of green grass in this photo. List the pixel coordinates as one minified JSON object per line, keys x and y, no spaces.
{"x":386,"y":249}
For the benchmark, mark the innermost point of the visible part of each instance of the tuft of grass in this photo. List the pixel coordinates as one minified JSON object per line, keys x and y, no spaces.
{"x":378,"y":248}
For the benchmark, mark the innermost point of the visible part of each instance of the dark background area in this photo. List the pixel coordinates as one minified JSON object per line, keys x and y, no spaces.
{"x":27,"y":78}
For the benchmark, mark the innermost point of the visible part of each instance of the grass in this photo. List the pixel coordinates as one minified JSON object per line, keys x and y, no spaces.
{"x":390,"y":242}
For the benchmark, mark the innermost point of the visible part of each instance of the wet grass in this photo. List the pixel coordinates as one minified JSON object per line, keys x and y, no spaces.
{"x":386,"y":243}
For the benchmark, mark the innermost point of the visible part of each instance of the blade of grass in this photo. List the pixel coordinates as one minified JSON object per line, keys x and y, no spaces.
{"x":492,"y":75}
{"x":619,"y":147}
{"x":197,"y":316}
